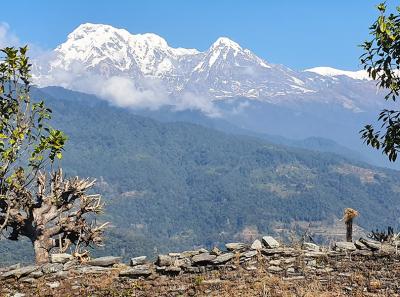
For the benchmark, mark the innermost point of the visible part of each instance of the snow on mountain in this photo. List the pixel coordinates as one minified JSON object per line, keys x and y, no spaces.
{"x":143,"y":70}
{"x":332,"y":72}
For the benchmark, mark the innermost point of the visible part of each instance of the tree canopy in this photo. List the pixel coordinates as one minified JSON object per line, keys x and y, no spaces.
{"x":381,"y":58}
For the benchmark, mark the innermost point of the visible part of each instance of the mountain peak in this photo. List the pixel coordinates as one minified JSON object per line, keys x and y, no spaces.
{"x":224,"y":42}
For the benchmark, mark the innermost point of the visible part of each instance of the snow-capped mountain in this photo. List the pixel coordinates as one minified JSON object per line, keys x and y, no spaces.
{"x":95,"y":53}
{"x":332,"y":72}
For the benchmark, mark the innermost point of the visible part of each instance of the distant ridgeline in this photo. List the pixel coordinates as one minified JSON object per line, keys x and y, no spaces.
{"x":175,"y":186}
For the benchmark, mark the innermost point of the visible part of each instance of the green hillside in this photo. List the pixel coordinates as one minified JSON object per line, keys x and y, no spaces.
{"x":179,"y":185}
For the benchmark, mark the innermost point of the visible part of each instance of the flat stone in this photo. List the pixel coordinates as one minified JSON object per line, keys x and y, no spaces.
{"x":36,"y":274}
{"x":28,"y":280}
{"x":274,"y":269}
{"x":184,"y":262}
{"x":314,"y":254}
{"x":104,"y":261}
{"x":223,"y":258}
{"x":216,"y":251}
{"x":364,"y":253}
{"x":53,"y":285}
{"x":202,"y":250}
{"x":293,"y":278}
{"x":359,"y":245}
{"x":61,"y":274}
{"x":309,"y":246}
{"x":235,"y":246}
{"x":256,"y":245}
{"x":18,"y":273}
{"x":371,"y":244}
{"x":249,"y":254}
{"x":60,"y":258}
{"x":8,"y":268}
{"x":203,"y":258}
{"x":18,"y":295}
{"x":270,"y":242}
{"x":94,"y":269}
{"x":138,"y":260}
{"x":187,"y":254}
{"x":173,"y":269}
{"x":345,"y":246}
{"x":251,"y":268}
{"x":52,"y":268}
{"x":71,"y":264}
{"x":387,"y":249}
{"x":275,"y":262}
{"x":289,"y":260}
{"x":136,"y":271}
{"x":174,"y":255}
{"x":165,"y":260}
{"x":270,"y":252}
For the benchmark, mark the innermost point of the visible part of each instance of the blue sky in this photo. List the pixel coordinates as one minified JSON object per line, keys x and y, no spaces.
{"x":298,"y":34}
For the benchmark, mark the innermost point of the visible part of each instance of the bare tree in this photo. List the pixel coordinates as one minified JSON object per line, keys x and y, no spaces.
{"x":50,"y":210}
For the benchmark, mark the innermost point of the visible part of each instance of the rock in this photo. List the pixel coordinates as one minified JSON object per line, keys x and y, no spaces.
{"x":52,"y":268}
{"x":223,"y":258}
{"x":291,"y":270}
{"x":136,"y":271}
{"x":216,"y":251}
{"x":345,"y":246}
{"x":8,"y":268}
{"x":203,"y":258}
{"x":359,"y":245}
{"x":18,"y":273}
{"x":309,"y":246}
{"x":104,"y":261}
{"x":53,"y":285}
{"x":274,"y":269}
{"x":60,"y":258}
{"x":203,"y":250}
{"x":174,"y":255}
{"x":173,"y":270}
{"x":36,"y":274}
{"x":164,"y":260}
{"x":235,"y":246}
{"x":314,"y":254}
{"x":71,"y":264}
{"x":93,"y":269}
{"x":28,"y":280}
{"x":138,"y":260}
{"x":18,"y":295}
{"x":270,"y":252}
{"x":289,"y":260}
{"x":61,"y":274}
{"x":256,"y":245}
{"x":251,"y":268}
{"x":184,"y":262}
{"x":387,"y":249}
{"x":270,"y":242}
{"x":188,"y":254}
{"x":275,"y":262}
{"x":249,"y":254}
{"x":371,"y":244}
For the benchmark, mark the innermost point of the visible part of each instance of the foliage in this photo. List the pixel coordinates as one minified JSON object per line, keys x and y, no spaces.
{"x":381,"y":59}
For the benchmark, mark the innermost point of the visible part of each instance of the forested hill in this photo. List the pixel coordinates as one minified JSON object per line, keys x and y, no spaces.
{"x":178,"y":185}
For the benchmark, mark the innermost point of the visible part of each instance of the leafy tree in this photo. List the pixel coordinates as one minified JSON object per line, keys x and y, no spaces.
{"x":47,"y":208}
{"x":381,"y":59}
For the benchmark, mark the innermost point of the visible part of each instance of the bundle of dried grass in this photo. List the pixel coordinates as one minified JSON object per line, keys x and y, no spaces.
{"x":349,"y":214}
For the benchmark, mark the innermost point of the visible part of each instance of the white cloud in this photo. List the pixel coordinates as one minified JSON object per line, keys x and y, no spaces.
{"x":7,"y":38}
